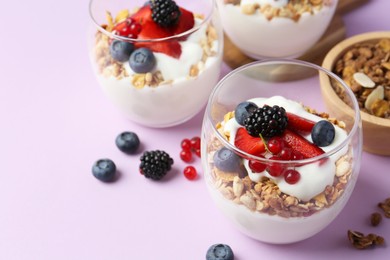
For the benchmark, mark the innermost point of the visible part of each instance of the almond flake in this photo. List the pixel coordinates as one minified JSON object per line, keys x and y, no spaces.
{"x":122,"y":15}
{"x":378,"y":93}
{"x":363,"y":80}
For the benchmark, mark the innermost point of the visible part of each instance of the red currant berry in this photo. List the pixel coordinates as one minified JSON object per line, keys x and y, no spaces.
{"x":135,"y":29}
{"x":195,"y":143}
{"x":291,"y":176}
{"x":296,"y":155}
{"x":285,"y":154}
{"x":186,"y":155}
{"x":190,"y":173}
{"x":186,"y":144}
{"x":197,"y":152}
{"x":257,"y":166}
{"x":275,"y":145}
{"x":275,"y":169}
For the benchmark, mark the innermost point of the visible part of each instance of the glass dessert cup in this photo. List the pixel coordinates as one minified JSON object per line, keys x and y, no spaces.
{"x":275,"y":29}
{"x":187,"y":55}
{"x":272,"y":204}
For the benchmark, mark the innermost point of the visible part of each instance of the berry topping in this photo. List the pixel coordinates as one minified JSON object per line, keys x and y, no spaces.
{"x":226,"y":160}
{"x":275,"y":145}
{"x":186,"y":155}
{"x":257,"y":166}
{"x":248,"y":143}
{"x":286,"y":154}
{"x":243,"y":110}
{"x":299,"y":124}
{"x":267,"y":121}
{"x":275,"y":169}
{"x":128,"y":28}
{"x":291,"y":176}
{"x":190,"y":172}
{"x":127,"y":142}
{"x":170,"y":48}
{"x":120,"y":50}
{"x":323,"y":133}
{"x":142,"y":60}
{"x":301,"y":145}
{"x":104,"y":170}
{"x":220,"y":252}
{"x":155,"y":164}
{"x":165,"y":12}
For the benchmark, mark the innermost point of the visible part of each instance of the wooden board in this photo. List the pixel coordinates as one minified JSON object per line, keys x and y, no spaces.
{"x":336,"y":32}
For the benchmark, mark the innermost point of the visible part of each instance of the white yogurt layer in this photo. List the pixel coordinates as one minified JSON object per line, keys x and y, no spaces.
{"x":175,"y":102}
{"x":314,"y":177}
{"x":279,"y":37}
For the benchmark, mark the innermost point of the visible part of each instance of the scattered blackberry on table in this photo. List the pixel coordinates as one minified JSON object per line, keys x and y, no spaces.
{"x":220,"y":252}
{"x":266,"y":121}
{"x":127,"y":142}
{"x":165,"y":13}
{"x":155,"y":164}
{"x":104,"y":170}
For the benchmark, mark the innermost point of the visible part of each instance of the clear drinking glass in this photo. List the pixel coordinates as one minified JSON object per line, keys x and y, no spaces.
{"x":187,"y":59}
{"x":265,"y":203}
{"x":275,"y":29}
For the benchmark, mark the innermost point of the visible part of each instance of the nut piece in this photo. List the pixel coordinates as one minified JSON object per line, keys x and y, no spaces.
{"x":363,"y":80}
{"x":377,"y":93}
{"x":385,"y":206}
{"x":360,"y":241}
{"x":376,"y":219}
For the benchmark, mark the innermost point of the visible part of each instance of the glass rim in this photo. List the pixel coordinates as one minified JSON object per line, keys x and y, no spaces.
{"x":169,"y":38}
{"x":230,"y":146}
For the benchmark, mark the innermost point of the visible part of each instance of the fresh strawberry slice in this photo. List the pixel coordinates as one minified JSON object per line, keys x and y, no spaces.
{"x":171,"y":48}
{"x":150,"y":29}
{"x":185,"y":23}
{"x":300,"y":144}
{"x":248,"y":143}
{"x":299,"y":124}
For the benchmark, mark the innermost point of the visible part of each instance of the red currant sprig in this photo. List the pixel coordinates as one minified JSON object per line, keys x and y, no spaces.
{"x":188,"y":147}
{"x":128,"y":28}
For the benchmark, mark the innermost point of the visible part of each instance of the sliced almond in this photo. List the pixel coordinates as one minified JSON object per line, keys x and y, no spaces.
{"x":363,"y":80}
{"x":110,"y":22}
{"x":378,"y":93}
{"x":122,"y":15}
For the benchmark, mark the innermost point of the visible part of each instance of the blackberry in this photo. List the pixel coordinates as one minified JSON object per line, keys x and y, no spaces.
{"x":155,"y":164}
{"x":165,"y":12}
{"x":266,"y":121}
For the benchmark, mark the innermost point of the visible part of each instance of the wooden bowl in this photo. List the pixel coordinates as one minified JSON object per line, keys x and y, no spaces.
{"x":376,"y":130}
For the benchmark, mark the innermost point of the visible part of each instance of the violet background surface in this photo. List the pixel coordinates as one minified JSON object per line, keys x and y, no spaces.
{"x":55,"y":122}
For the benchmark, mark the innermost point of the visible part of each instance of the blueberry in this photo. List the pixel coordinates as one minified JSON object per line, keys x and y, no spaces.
{"x":104,"y":170}
{"x":142,"y":60}
{"x":127,"y":142}
{"x":243,"y":110}
{"x":120,"y":50}
{"x":323,"y":133}
{"x":226,"y":160}
{"x":219,"y":252}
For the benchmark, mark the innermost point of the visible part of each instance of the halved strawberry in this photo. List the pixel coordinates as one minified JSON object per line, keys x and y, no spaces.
{"x":171,"y":48}
{"x":150,"y":29}
{"x":185,"y":23}
{"x":248,"y":143}
{"x":299,"y":124}
{"x":300,"y":144}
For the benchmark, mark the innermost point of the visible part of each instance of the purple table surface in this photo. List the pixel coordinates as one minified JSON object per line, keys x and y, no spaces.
{"x":55,"y":122}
